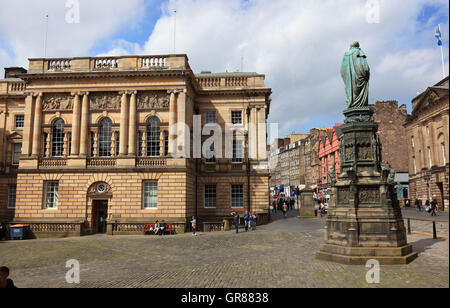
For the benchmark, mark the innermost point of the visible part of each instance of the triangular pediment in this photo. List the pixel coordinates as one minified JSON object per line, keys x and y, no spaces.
{"x":15,"y":135}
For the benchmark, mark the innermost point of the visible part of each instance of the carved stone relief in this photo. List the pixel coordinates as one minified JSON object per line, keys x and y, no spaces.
{"x":57,"y":102}
{"x":153,"y":100}
{"x":343,"y":195}
{"x":369,"y":195}
{"x":105,"y":101}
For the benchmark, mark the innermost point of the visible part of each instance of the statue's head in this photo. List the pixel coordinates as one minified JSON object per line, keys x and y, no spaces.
{"x":354,"y":44}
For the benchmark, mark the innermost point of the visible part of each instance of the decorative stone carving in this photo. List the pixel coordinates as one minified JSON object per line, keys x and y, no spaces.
{"x":99,"y":188}
{"x":343,"y":195}
{"x":365,"y":153}
{"x":57,"y":102}
{"x":368,"y":195}
{"x":105,"y":101}
{"x":153,"y":100}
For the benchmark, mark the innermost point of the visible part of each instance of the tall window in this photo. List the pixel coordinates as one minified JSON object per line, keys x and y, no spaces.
{"x":166,"y":142}
{"x":69,"y":143}
{"x":430,"y":161}
{"x":412,"y":142}
{"x":237,"y":196}
{"x":414,"y":165}
{"x":153,"y":137}
{"x":19,"y":121}
{"x":58,"y":138}
{"x":12,"y":196}
{"x":210,"y":196}
{"x":92,"y":142}
{"x":210,"y":117}
{"x":236,"y":117}
{"x":211,"y":155}
{"x":238,"y":151}
{"x":140,"y":136}
{"x":150,"y":195}
{"x":17,"y":150}
{"x":444,"y":160}
{"x":51,"y":195}
{"x":117,"y":143}
{"x":104,"y":138}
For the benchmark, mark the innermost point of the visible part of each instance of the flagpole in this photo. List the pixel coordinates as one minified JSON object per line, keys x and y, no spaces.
{"x":442,"y":55}
{"x":46,"y":36}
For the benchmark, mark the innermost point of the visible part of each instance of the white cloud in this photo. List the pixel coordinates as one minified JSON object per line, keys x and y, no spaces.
{"x":22,"y":26}
{"x":299,"y":46}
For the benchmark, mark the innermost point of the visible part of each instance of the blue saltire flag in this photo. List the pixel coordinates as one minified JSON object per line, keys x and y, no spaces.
{"x":438,"y":36}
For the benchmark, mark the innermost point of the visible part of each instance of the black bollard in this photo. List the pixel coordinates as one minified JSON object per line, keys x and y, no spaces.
{"x":409,"y":226}
{"x":434,"y":230}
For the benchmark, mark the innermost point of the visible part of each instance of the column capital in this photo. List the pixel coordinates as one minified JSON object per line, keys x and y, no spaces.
{"x":176,"y":91}
{"x":128,"y":92}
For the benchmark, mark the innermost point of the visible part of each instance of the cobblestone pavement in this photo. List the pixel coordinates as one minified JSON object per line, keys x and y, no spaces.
{"x":280,"y":254}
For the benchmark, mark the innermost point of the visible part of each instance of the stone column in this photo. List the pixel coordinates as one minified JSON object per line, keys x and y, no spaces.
{"x":161,"y":143}
{"x":172,"y":122}
{"x":262,"y":134}
{"x":124,"y":125}
{"x":132,"y":132}
{"x":84,"y":135}
{"x":28,"y":124}
{"x":181,"y":125}
{"x":253,"y":134}
{"x":37,"y":126}
{"x":48,"y":144}
{"x":95,"y":154}
{"x":144,"y":143}
{"x":75,"y":151}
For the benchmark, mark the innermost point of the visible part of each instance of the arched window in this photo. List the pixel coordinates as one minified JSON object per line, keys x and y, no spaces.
{"x":153,"y":137}
{"x":104,"y":138}
{"x":58,"y":138}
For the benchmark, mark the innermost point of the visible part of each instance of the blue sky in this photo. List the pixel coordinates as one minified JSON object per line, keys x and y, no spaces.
{"x":298,"y":44}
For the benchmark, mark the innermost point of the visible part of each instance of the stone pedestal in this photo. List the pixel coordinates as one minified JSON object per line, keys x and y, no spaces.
{"x":307,"y":204}
{"x":364,"y":220}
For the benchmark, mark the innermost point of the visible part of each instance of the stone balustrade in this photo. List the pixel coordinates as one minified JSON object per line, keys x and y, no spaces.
{"x":226,"y":81}
{"x":95,"y":64}
{"x":151,"y":162}
{"x":12,"y":87}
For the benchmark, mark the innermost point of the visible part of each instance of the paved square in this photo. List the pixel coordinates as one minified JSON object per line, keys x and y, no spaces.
{"x":280,"y":254}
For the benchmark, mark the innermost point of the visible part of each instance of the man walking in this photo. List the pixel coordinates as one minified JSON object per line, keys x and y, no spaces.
{"x":247,"y":220}
{"x":194,"y":225}
{"x":237,"y":220}
{"x":433,"y":207}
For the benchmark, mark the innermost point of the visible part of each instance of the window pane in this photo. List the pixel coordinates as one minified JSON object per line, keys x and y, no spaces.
{"x":104,"y":138}
{"x":20,"y":119}
{"x":150,"y":195}
{"x":153,"y":137}
{"x":58,"y":138}
{"x":237,"y":196}
{"x":17,"y":150}
{"x":12,"y":196}
{"x":210,"y":196}
{"x":51,"y":195}
{"x":210,"y":117}
{"x":238,"y":151}
{"x":236,"y":117}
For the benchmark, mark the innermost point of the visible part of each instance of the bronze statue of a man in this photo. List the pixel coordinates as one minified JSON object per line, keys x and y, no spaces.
{"x":356,"y":74}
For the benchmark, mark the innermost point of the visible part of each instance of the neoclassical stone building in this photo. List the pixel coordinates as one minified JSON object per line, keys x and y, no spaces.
{"x":109,"y":144}
{"x":427,"y":130}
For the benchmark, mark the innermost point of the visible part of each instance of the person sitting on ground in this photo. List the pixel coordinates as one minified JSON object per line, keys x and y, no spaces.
{"x":5,"y":282}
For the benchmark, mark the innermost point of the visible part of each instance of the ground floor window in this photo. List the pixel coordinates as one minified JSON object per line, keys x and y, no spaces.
{"x":237,"y":196}
{"x":210,"y":196}
{"x":51,"y":195}
{"x":12,"y":196}
{"x":17,"y":150}
{"x":150,"y":195}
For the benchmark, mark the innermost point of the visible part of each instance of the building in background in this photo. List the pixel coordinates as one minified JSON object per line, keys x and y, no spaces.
{"x":427,"y":135}
{"x":98,"y":152}
{"x":328,"y":154}
{"x":392,"y":134}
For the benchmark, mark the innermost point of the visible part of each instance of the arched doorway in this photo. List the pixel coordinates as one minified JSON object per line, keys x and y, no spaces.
{"x":99,"y":195}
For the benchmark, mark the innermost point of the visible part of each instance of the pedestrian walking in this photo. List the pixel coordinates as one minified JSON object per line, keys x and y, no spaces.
{"x":433,"y":205}
{"x":237,"y":220}
{"x":254,"y":218}
{"x":427,"y":206}
{"x":417,"y":205}
{"x":246,"y":221}
{"x":274,"y":206}
{"x":194,"y":225}
{"x":285,"y":209}
{"x":2,"y":231}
